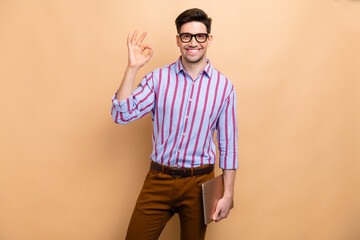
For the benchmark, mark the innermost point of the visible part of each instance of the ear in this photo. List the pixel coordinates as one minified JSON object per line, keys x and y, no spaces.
{"x":210,"y":39}
{"x":178,"y":40}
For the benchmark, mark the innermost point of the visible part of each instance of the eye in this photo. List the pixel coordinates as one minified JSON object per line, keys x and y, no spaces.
{"x":201,"y":37}
{"x":186,"y":37}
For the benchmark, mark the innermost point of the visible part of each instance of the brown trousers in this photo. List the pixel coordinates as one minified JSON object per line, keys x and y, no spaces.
{"x":160,"y":198}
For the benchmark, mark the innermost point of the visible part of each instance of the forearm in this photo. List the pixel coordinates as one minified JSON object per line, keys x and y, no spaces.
{"x":229,"y":181}
{"x":127,"y":83}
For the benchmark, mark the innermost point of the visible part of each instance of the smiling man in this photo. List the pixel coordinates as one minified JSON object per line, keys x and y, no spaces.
{"x":188,"y":100}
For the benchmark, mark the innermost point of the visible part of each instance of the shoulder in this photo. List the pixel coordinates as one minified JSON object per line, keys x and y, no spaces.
{"x":224,"y":82}
{"x":157,"y":74}
{"x":152,"y":78}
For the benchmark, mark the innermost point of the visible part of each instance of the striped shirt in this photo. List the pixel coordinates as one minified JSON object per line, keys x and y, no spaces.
{"x":185,"y":114}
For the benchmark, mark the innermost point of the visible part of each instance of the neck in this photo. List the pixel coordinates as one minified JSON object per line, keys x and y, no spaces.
{"x":194,"y":69}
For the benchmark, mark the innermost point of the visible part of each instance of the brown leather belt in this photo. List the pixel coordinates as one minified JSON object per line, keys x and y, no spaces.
{"x":181,"y":172}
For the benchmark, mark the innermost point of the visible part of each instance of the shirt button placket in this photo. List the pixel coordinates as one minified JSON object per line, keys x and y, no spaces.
{"x":186,"y":116}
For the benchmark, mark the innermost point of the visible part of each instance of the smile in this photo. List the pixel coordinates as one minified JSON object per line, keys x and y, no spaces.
{"x":192,"y":51}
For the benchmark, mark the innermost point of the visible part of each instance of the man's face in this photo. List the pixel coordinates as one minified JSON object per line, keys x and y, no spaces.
{"x":193,"y":51}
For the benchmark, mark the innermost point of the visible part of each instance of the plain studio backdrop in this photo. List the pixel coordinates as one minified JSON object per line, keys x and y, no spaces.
{"x":67,"y":172}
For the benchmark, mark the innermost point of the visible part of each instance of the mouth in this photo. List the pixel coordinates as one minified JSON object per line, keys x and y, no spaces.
{"x":192,"y":51}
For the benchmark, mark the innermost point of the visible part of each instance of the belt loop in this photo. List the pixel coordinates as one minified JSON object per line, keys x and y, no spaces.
{"x":192,"y":172}
{"x":162,"y":169}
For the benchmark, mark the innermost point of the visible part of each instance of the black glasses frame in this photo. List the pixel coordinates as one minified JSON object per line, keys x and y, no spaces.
{"x":194,"y":35}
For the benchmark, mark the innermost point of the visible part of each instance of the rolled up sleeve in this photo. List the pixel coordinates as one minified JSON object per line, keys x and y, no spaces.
{"x":140,"y":102}
{"x":227,"y":133}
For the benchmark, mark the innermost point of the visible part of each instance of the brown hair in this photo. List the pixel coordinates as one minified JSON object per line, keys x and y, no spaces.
{"x":193,"y":14}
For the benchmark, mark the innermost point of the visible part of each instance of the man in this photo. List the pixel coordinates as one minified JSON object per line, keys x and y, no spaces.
{"x":188,"y":101}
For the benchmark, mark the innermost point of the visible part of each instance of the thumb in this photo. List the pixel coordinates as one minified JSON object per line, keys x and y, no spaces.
{"x":216,"y":213}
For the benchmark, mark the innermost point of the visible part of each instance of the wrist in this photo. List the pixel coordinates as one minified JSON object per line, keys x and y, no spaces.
{"x":132,"y":69}
{"x":228,"y":196}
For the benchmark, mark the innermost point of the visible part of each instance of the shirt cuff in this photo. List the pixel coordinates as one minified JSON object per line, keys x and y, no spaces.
{"x":228,"y":163}
{"x":123,"y":105}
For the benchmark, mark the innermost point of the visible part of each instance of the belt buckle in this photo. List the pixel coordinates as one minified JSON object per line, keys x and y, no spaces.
{"x":176,"y":172}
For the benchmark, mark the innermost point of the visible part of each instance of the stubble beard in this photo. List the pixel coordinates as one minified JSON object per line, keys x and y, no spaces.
{"x":194,"y":60}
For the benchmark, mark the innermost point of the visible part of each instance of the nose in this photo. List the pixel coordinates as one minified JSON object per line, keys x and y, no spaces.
{"x":193,"y":41}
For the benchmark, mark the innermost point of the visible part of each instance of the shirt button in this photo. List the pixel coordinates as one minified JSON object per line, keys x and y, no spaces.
{"x":190,"y":99}
{"x":176,"y":165}
{"x":178,"y":150}
{"x":187,"y":117}
{"x":183,"y":134}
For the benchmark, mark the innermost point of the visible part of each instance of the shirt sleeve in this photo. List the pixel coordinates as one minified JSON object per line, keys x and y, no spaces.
{"x":140,"y":102}
{"x":227,"y":133}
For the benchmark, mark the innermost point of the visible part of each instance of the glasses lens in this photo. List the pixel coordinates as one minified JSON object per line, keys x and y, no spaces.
{"x":185,"y":37}
{"x":201,"y":37}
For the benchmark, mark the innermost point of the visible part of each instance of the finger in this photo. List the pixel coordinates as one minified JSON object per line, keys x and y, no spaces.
{"x":223,"y":215}
{"x":150,"y":54}
{"x":216,"y":214}
{"x":141,"y":39}
{"x":143,"y":47}
{"x":134,"y":37}
{"x":128,"y":39}
{"x":218,"y":217}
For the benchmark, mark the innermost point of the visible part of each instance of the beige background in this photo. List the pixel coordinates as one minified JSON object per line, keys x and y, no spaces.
{"x":67,"y":172}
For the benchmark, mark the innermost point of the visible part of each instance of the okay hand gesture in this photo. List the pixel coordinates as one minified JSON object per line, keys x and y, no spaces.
{"x":136,"y":50}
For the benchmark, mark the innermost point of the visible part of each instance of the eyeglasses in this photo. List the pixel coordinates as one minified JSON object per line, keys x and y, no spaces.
{"x":187,"y":37}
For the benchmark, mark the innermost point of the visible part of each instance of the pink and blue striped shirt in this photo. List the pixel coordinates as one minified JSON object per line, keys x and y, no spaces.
{"x":185,"y":113}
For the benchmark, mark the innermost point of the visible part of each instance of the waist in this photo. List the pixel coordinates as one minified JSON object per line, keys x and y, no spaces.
{"x":182,"y":172}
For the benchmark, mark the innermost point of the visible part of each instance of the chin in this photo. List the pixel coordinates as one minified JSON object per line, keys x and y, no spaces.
{"x":193,"y":60}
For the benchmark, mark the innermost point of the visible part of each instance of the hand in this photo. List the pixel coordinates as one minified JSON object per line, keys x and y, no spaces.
{"x":222,"y":209}
{"x":136,"y":50}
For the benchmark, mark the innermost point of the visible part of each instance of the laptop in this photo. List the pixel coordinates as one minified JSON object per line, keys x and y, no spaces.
{"x":212,"y":192}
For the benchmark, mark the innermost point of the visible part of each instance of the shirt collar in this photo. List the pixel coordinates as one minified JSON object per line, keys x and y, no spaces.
{"x":179,"y":67}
